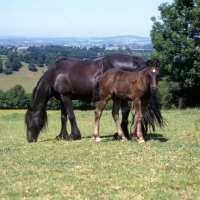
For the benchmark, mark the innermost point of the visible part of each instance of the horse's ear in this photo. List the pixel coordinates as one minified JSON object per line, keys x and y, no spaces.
{"x":29,"y":107}
{"x":158,"y":64}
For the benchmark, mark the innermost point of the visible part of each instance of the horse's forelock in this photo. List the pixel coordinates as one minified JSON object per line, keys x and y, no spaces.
{"x":44,"y":119}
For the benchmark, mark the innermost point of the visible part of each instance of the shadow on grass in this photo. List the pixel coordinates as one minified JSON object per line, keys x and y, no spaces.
{"x":47,"y":140}
{"x":155,"y":136}
{"x":149,"y":136}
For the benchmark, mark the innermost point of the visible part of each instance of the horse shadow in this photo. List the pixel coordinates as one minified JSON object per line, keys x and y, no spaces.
{"x":155,"y":136}
{"x":148,"y":137}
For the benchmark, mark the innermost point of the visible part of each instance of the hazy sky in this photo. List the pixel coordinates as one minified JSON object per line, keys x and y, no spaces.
{"x":77,"y":18}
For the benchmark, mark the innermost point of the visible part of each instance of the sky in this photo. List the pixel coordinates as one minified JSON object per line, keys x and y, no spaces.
{"x":78,"y":18}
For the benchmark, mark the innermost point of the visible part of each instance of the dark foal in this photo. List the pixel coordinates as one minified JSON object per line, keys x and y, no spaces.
{"x":118,"y":85}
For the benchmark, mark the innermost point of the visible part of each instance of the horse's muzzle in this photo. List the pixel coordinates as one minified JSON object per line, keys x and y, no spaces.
{"x":31,"y":140}
{"x":154,"y":90}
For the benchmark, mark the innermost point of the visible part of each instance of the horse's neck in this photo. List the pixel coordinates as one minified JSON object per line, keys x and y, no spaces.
{"x":144,"y":79}
{"x":41,"y":97}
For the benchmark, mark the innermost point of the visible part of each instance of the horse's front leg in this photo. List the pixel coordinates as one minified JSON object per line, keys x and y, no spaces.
{"x":63,"y":132}
{"x":125,"y":109}
{"x":136,"y":130}
{"x":75,"y":133}
{"x":115,"y":114}
{"x":97,"y":113}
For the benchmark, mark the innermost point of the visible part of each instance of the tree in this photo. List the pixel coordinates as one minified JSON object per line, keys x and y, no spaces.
{"x":17,"y":96}
{"x":32,"y":67}
{"x":176,"y":39}
{"x":1,"y":66}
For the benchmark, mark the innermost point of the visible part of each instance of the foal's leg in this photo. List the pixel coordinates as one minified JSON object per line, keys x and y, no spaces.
{"x":133,"y":132}
{"x":98,"y":112}
{"x":115,"y":114}
{"x":63,"y":132}
{"x":136,"y":130}
{"x":133,"y":119}
{"x":75,"y":133}
{"x":125,"y":109}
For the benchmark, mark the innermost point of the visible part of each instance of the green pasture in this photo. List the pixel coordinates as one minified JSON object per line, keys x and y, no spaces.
{"x":23,"y":77}
{"x":166,"y":166}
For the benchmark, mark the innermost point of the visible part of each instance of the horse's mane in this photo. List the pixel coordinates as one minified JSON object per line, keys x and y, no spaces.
{"x":45,"y":119}
{"x":36,"y":87}
{"x":139,"y":62}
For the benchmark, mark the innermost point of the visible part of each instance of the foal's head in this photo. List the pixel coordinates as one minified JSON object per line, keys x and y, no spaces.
{"x":152,"y":72}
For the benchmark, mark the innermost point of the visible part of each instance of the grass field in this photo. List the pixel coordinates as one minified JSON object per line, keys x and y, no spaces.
{"x":166,"y":166}
{"x":23,"y":77}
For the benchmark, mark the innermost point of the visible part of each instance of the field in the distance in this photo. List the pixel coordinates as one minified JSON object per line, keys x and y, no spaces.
{"x":166,"y":166}
{"x":24,"y":77}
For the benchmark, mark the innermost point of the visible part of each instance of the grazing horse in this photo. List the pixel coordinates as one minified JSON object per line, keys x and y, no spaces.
{"x":71,"y":79}
{"x":122,"y":85}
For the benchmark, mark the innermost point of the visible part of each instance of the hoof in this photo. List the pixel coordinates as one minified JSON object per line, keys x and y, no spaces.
{"x":57,"y":138}
{"x":134,"y":138}
{"x":141,"y":141}
{"x":74,"y":137}
{"x":60,"y":138}
{"x":115,"y":136}
{"x":122,"y":139}
{"x":98,"y":139}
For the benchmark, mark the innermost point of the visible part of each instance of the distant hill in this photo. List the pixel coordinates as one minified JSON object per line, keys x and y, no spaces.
{"x":23,"y":77}
{"x":75,"y":41}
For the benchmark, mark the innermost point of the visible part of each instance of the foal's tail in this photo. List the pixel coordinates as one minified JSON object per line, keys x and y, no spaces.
{"x":96,"y":90}
{"x":152,"y":115}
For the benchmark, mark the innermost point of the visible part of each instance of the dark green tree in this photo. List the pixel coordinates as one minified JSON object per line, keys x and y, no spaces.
{"x":1,"y":66}
{"x":176,"y":39}
{"x":18,"y":97}
{"x":32,"y":67}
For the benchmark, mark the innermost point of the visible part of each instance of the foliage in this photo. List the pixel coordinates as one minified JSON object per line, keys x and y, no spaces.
{"x":7,"y":71}
{"x":176,"y":38}
{"x":1,"y":66}
{"x":165,"y":167}
{"x":18,"y":97}
{"x":14,"y":98}
{"x":12,"y":63}
{"x":32,"y":67}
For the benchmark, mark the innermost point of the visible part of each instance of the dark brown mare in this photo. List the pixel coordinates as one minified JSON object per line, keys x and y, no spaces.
{"x":121,"y":85}
{"x":71,"y":79}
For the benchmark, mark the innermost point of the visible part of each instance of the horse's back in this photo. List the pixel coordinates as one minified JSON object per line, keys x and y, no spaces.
{"x":123,"y":62}
{"x":76,"y":77}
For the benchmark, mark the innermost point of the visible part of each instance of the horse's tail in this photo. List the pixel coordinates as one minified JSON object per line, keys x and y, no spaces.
{"x":96,"y":90}
{"x":152,"y":115}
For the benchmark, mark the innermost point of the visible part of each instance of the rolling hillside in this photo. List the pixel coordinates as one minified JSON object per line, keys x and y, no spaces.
{"x":23,"y":77}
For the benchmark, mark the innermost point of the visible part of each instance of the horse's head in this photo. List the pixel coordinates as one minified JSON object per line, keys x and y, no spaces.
{"x":35,"y":121}
{"x":153,"y":71}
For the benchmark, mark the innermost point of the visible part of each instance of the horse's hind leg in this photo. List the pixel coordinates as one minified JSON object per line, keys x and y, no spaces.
{"x":75,"y":133}
{"x":115,"y":114}
{"x":63,"y":132}
{"x":98,"y":111}
{"x":125,"y":109}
